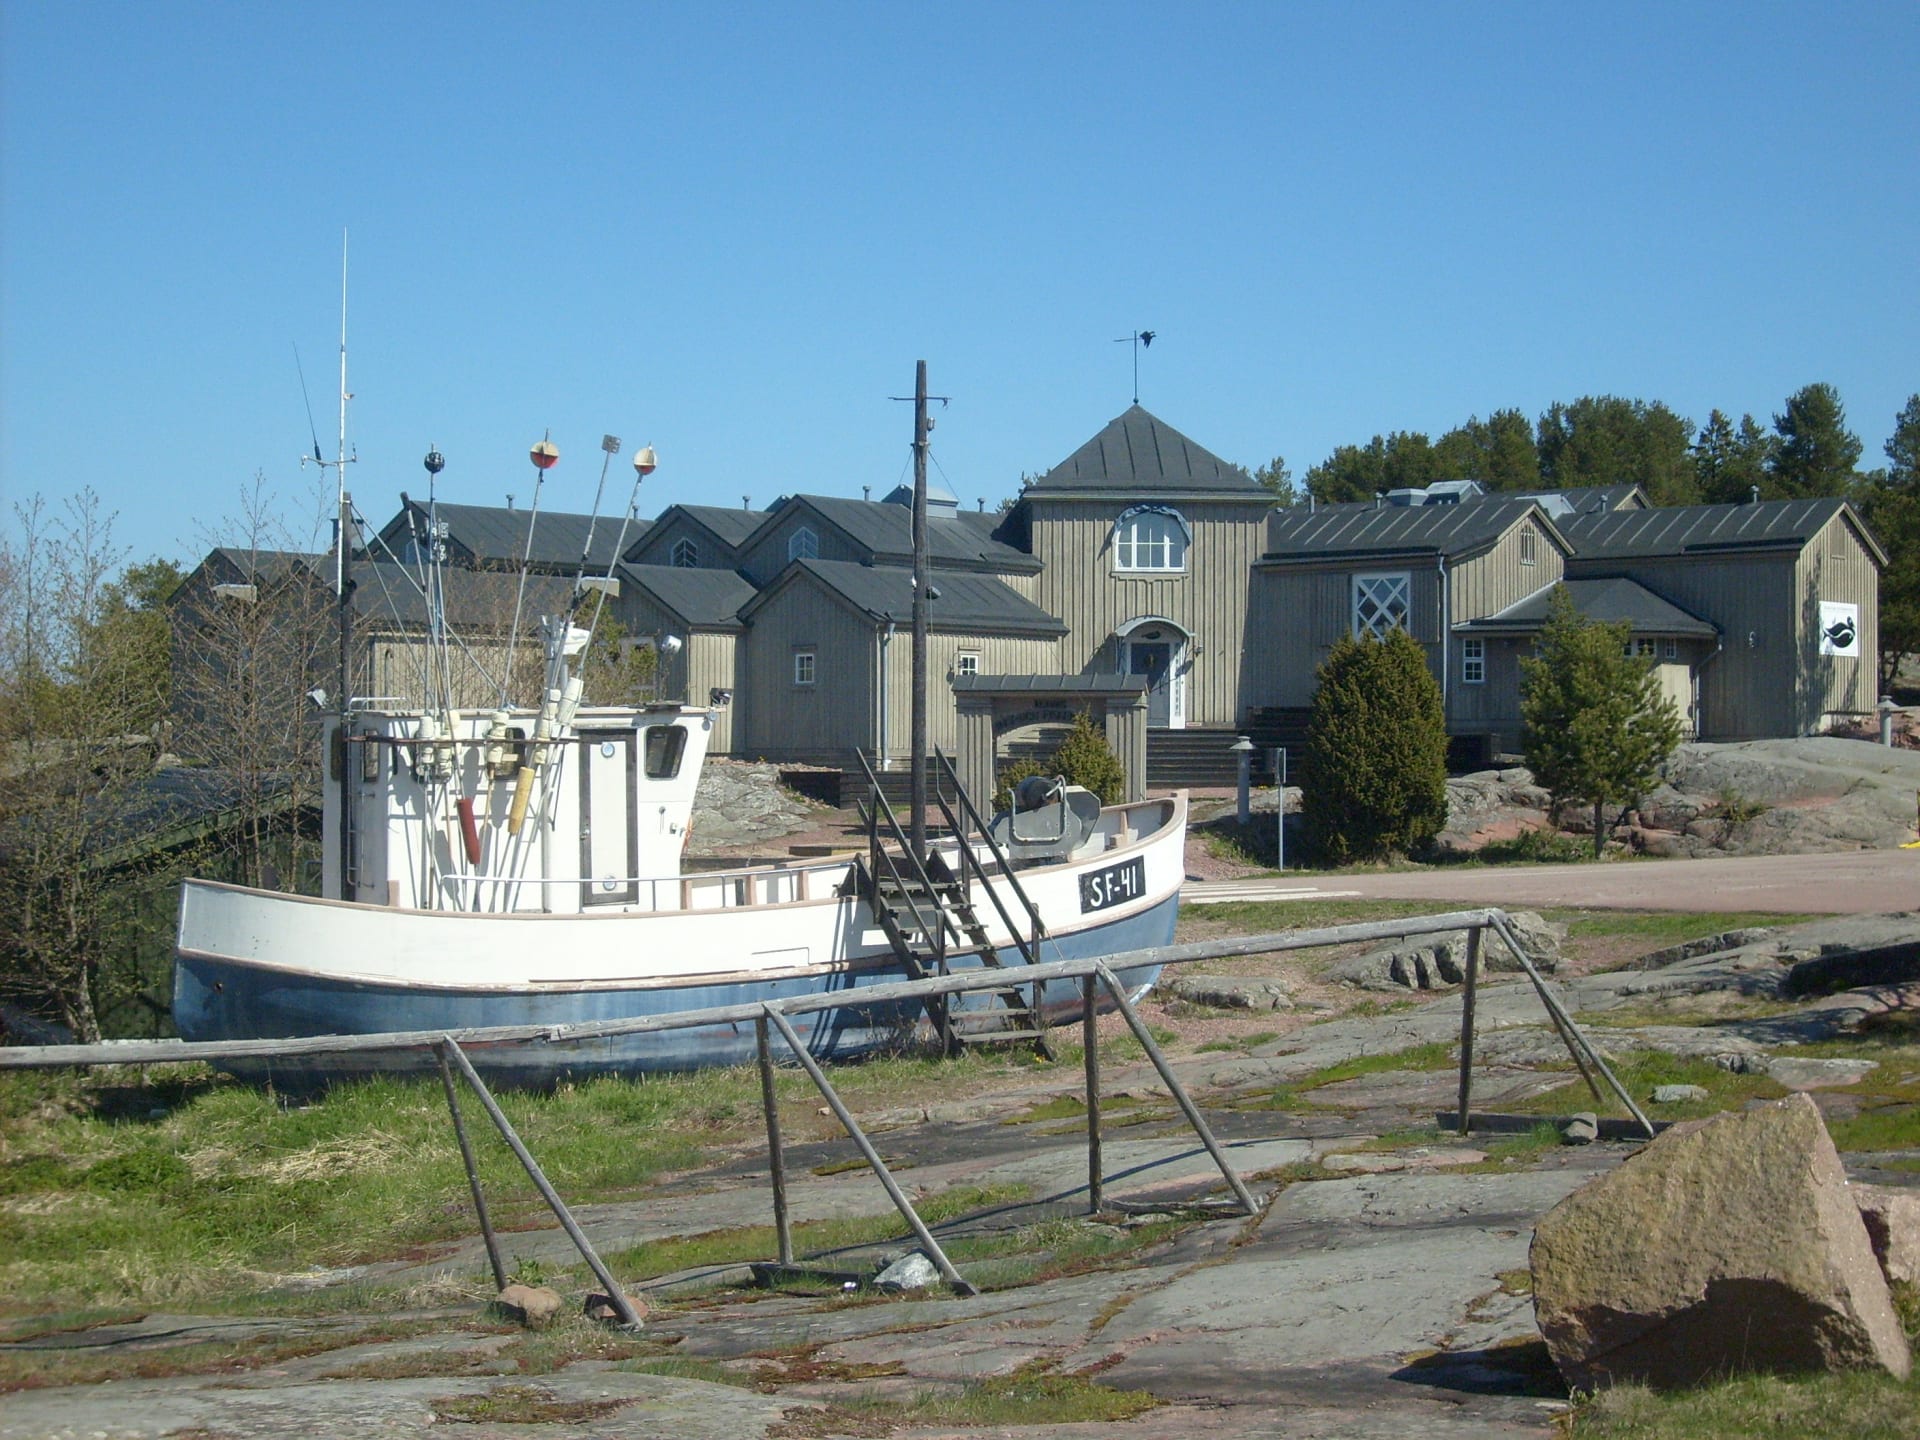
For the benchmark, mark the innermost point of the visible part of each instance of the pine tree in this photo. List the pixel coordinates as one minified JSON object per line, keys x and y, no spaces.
{"x":1376,"y":781}
{"x":1890,"y":503}
{"x":1816,"y":453}
{"x":1595,"y":727}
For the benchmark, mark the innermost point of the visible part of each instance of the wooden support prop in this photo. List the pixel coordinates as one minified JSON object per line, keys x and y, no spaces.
{"x":622,"y":1306}
{"x":1466,"y":1028}
{"x":1178,"y":1091}
{"x":776,"y":1153}
{"x":473,"y":1173}
{"x":1569,"y":1032}
{"x":1090,"y":1052}
{"x":859,"y":1137}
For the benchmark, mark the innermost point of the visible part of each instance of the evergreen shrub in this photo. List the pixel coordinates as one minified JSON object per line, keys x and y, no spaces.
{"x":1376,"y":779}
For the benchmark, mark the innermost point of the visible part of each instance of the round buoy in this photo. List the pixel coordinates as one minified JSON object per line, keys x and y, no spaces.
{"x":645,"y":461}
{"x":545,"y":455}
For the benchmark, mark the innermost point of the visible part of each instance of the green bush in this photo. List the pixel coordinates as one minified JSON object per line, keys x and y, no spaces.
{"x":1084,"y":758}
{"x":1377,"y":753}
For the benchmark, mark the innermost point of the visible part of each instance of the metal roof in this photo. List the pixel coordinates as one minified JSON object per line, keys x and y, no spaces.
{"x":1701,"y":529}
{"x":1333,"y":531}
{"x":1141,"y":454}
{"x":495,"y":535}
{"x":885,"y":531}
{"x":699,"y":596}
{"x":476,"y":600}
{"x":964,"y":601}
{"x":730,"y":526}
{"x":1609,"y":601}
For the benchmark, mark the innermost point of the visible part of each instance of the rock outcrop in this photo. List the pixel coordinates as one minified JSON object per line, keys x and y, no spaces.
{"x":1893,"y":1225}
{"x":1435,"y":962}
{"x":1727,"y":1245}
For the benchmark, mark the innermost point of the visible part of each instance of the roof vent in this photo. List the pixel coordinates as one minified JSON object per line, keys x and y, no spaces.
{"x":1406,"y":497}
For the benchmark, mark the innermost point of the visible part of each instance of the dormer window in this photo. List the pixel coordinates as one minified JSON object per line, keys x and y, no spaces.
{"x":686,"y":554}
{"x":803,"y":545}
{"x":1151,"y":538}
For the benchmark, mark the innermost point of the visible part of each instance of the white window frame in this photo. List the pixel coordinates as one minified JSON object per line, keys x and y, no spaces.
{"x":1149,"y":542}
{"x":966,"y":662}
{"x":1670,"y":649}
{"x":1473,"y":661}
{"x":1382,"y":603}
{"x":686,"y":553}
{"x":806,"y":667}
{"x":1527,"y":542}
{"x":1646,"y":649}
{"x":803,"y":544}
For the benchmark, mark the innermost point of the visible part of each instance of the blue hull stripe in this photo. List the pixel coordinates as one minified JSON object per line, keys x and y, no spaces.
{"x":223,"y":1000}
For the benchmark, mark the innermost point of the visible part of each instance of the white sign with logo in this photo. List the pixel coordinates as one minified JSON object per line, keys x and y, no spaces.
{"x":1839,"y":628}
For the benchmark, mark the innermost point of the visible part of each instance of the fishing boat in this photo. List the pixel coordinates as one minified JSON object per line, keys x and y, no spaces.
{"x":522,"y":866}
{"x":473,"y":898}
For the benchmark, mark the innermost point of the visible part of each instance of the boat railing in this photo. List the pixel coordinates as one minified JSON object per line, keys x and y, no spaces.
{"x":714,"y":890}
{"x":1029,"y":941}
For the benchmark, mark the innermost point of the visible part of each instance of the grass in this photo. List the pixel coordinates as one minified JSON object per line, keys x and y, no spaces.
{"x":1661,"y":928}
{"x":1435,"y":1055}
{"x":1639,"y":1071}
{"x":520,"y":1405}
{"x":1028,"y":1397}
{"x":1860,"y":1407}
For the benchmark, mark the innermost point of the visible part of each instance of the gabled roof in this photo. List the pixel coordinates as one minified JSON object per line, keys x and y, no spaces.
{"x":495,"y":535}
{"x":883,"y":592}
{"x":480,"y":601}
{"x":885,"y":532}
{"x":730,"y":526}
{"x":1333,"y":532}
{"x":1586,"y":499}
{"x":1141,"y":456}
{"x":1709,"y":529}
{"x":272,"y":566}
{"x":1608,"y":601}
{"x":698,"y":595}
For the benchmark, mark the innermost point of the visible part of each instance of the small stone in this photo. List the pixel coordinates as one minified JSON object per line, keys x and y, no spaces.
{"x":599,"y":1306}
{"x":1678,"y":1094}
{"x":533,"y":1306}
{"x":912,"y":1272}
{"x":1581,"y":1129}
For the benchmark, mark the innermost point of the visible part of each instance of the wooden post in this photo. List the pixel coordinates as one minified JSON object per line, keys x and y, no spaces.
{"x":1090,"y":1052}
{"x":622,"y":1306}
{"x":872,"y":1156}
{"x":473,"y":1174}
{"x":776,"y":1155}
{"x":1466,"y":1028}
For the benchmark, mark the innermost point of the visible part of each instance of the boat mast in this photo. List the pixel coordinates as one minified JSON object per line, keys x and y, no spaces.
{"x":343,"y":594}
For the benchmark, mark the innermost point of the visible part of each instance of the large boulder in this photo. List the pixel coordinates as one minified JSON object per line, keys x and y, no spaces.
{"x":1726,"y":1245}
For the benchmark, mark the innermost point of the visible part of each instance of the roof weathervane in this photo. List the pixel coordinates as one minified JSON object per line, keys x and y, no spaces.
{"x":1140,"y":340}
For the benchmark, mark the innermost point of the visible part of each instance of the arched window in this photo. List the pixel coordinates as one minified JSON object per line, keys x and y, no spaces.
{"x":686,"y":554}
{"x":805,"y":545}
{"x":1150,"y":537}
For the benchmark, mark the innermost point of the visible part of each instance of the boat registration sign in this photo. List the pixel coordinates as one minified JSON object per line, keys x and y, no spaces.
{"x":1113,"y":884}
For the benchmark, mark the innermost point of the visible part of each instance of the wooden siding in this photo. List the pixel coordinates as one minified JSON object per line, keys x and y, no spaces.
{"x":656,"y":548}
{"x":1835,"y":566}
{"x":1074,"y":541}
{"x":823,"y":721}
{"x":766,"y":556}
{"x":1299,"y":612}
{"x":1490,"y":582}
{"x":1748,"y":691}
{"x":999,"y":655}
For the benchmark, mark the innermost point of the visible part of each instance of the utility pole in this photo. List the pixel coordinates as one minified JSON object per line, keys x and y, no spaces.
{"x":917,"y":743}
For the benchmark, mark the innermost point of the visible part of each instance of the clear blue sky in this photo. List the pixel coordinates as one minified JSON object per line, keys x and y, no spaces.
{"x":731,"y":231}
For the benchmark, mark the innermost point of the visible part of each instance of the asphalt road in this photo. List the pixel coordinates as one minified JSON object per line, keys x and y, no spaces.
{"x":1852,"y":883}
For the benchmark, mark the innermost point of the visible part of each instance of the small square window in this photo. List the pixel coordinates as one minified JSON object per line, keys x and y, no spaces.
{"x":1645,"y":649}
{"x":1473,"y":662}
{"x":967,"y":662}
{"x":803,"y":667}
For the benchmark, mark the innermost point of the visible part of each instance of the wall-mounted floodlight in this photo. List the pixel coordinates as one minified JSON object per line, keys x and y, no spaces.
{"x":671,"y":644}
{"x":317,"y":697}
{"x":719,"y":698}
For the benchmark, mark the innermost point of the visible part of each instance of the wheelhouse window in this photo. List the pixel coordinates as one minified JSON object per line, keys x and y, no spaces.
{"x":804,"y":668}
{"x":1382,"y":604}
{"x":1150,"y":539}
{"x":686,"y":554}
{"x":803,"y":545}
{"x":664,"y":747}
{"x":1473,"y":662}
